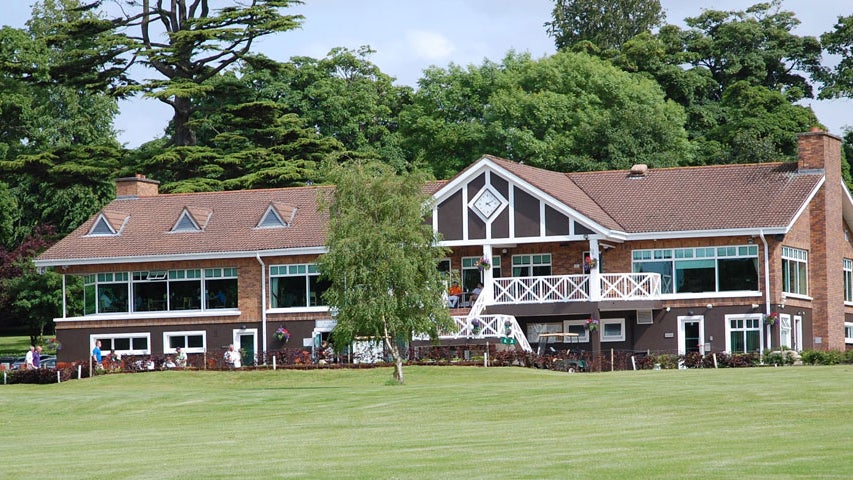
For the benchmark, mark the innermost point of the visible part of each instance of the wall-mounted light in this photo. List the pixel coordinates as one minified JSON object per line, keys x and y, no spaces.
{"x":668,"y":309}
{"x":690,"y":312}
{"x":503,"y":251}
{"x":750,"y":240}
{"x":709,"y":306}
{"x":755,"y":306}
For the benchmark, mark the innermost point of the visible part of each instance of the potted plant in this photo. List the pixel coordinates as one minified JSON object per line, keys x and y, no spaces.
{"x":282,"y":335}
{"x":484,"y":264}
{"x":590,"y":262}
{"x":476,"y":326}
{"x":592,"y":324}
{"x":771,"y":318}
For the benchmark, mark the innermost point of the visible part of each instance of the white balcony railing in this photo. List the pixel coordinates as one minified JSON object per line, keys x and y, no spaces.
{"x":576,"y":288}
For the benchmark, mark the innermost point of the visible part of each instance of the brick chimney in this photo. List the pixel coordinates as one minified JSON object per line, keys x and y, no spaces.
{"x":821,"y":151}
{"x":137,"y":186}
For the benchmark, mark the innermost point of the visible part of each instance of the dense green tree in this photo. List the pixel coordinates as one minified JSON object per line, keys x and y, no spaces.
{"x":188,"y":42}
{"x":343,"y":97}
{"x":566,"y":112}
{"x":382,"y":259}
{"x":607,"y":24}
{"x":838,"y":80}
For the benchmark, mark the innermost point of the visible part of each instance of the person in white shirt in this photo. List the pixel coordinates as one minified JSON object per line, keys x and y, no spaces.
{"x":28,"y":362}
{"x":181,"y":358}
{"x":232,"y":357}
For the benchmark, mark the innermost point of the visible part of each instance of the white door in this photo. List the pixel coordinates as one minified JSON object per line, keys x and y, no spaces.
{"x":691,"y":334}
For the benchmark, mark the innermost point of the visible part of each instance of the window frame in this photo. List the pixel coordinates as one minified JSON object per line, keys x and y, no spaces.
{"x":715,"y":254}
{"x":311,"y":270}
{"x":847,"y":268}
{"x":612,"y":321}
{"x":113,"y":336}
{"x":529,"y":262}
{"x":756,"y":320}
{"x":167,"y":336}
{"x":582,"y":337}
{"x":795,"y":257}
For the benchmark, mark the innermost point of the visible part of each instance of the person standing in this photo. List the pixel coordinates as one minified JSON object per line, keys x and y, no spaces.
{"x":96,"y":353}
{"x":37,"y":357}
{"x":28,"y":360}
{"x":232,"y":357}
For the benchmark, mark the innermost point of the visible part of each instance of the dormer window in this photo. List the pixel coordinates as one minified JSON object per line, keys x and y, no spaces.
{"x":108,"y":223}
{"x":277,"y":215}
{"x":192,"y":219}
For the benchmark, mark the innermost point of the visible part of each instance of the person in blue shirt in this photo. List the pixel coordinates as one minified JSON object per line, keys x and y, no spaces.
{"x":96,"y":353}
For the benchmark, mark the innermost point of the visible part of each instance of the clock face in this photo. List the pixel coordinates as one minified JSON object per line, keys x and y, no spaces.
{"x":487,"y":203}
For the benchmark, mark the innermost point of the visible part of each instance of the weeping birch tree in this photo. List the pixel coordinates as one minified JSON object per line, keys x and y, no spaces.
{"x":382,"y":259}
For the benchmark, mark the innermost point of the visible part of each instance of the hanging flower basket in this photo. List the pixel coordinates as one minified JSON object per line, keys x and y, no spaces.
{"x":590,"y":262}
{"x":771,"y":318}
{"x":592,"y":324}
{"x":476,"y":326}
{"x":282,"y":335}
{"x":484,"y":264}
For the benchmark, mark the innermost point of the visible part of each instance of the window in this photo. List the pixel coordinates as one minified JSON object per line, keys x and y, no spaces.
{"x":186,"y":223}
{"x":126,"y":344}
{"x":105,"y":293}
{"x":795,"y":274}
{"x":612,"y":329}
{"x":472,"y":275}
{"x":102,"y":227}
{"x":743,"y":334}
{"x":220,"y":287}
{"x":701,"y":269}
{"x":579,"y":327}
{"x":536,"y":329}
{"x":159,"y":290}
{"x":296,"y":286}
{"x":190,"y":342}
{"x":848,"y":332}
{"x":531,"y":265}
{"x":848,"y":280}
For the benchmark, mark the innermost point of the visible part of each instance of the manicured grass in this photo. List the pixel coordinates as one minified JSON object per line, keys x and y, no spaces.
{"x":445,"y":422}
{"x":14,"y":346}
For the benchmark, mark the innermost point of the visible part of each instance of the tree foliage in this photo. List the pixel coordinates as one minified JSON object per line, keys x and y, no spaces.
{"x":607,"y":24}
{"x":566,"y":112}
{"x":838,"y":80}
{"x":187,"y":42}
{"x":382,"y":259}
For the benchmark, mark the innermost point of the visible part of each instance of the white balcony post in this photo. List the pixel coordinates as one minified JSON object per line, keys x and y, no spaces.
{"x":488,"y":287}
{"x":594,"y":273}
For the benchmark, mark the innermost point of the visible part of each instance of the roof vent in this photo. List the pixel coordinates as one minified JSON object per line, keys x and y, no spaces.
{"x":639,"y":170}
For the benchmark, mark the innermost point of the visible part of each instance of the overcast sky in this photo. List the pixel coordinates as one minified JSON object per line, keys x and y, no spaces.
{"x":410,"y":35}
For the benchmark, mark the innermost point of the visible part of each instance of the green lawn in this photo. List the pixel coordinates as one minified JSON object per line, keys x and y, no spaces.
{"x":445,"y":422}
{"x":14,"y":346}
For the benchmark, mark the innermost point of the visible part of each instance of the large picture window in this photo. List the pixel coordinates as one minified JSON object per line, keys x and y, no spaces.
{"x":160,"y":290}
{"x":296,"y":286}
{"x":701,"y":269}
{"x":795,"y":272}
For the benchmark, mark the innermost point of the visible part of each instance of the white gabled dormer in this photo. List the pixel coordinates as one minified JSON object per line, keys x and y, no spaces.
{"x":108,"y":223}
{"x":192,"y":219}
{"x":277,"y":215}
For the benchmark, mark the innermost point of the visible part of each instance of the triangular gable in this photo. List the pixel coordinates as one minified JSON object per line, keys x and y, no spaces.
{"x":277,"y":215}
{"x":108,"y":222}
{"x":529,"y":180}
{"x":192,"y":219}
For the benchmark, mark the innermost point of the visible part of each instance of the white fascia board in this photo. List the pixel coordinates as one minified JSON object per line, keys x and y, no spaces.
{"x":733,"y":232}
{"x":484,"y":162}
{"x":182,"y":257}
{"x":847,"y":206}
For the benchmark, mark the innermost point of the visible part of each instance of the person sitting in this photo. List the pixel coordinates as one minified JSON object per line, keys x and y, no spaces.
{"x":476,"y":292}
{"x":181,"y":358}
{"x":454,"y":293}
{"x":169,"y":363}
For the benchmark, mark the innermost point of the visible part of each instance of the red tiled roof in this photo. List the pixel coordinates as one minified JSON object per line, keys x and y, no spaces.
{"x":721,"y":197}
{"x":230,"y":228}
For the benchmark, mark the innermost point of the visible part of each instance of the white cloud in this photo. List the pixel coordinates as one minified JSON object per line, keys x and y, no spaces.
{"x":431,"y":46}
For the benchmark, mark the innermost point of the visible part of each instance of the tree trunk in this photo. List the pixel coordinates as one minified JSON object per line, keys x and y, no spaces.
{"x":395,"y":354}
{"x":184,"y":136}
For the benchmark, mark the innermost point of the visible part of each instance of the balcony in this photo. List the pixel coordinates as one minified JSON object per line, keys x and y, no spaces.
{"x":576,"y":288}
